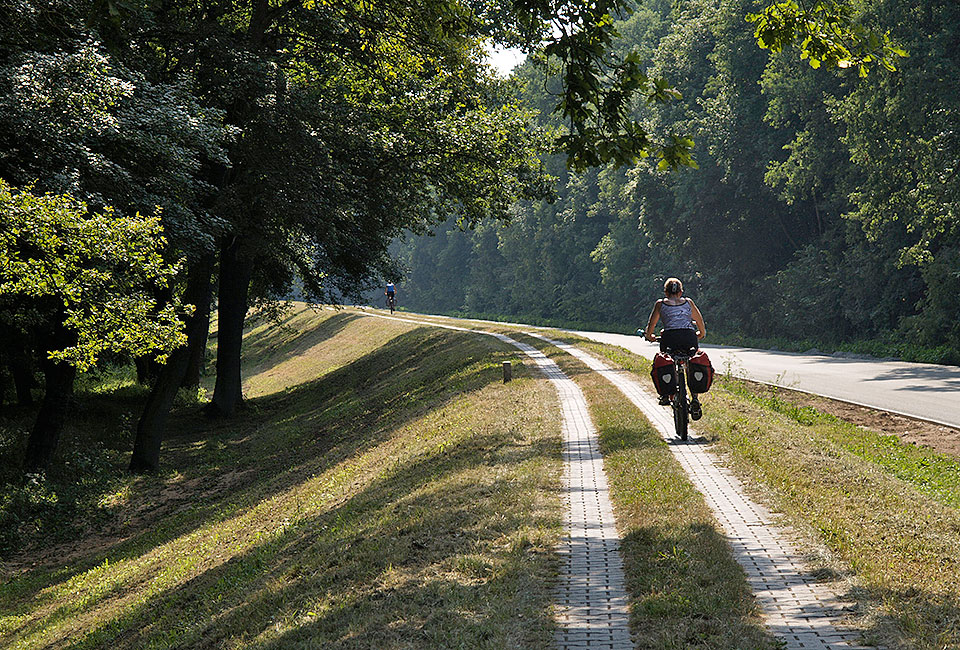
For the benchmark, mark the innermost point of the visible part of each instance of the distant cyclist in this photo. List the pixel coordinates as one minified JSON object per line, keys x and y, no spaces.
{"x":391,"y":293}
{"x":682,"y":323}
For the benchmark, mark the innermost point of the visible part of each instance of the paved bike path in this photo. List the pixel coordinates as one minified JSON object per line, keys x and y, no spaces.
{"x":798,"y":609}
{"x":592,"y":603}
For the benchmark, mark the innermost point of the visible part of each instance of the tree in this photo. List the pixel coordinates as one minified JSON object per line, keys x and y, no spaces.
{"x":83,"y":283}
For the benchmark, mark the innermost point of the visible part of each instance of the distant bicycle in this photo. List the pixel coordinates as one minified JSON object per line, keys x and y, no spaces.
{"x":391,"y":302}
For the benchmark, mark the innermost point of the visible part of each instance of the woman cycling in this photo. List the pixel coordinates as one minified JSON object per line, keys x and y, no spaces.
{"x":682,"y":325}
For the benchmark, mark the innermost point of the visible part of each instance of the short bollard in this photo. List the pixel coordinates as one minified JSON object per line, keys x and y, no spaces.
{"x":507,"y":371}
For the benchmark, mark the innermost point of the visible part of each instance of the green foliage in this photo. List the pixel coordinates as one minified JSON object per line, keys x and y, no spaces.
{"x":75,"y":119}
{"x":596,"y":97}
{"x":823,"y":211}
{"x":828,"y":34}
{"x":96,"y":272}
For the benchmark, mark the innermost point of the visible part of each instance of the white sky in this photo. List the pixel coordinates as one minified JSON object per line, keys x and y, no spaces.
{"x":504,"y":61}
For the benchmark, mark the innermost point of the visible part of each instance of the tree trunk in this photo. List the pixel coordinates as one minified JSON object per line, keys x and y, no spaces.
{"x":147,"y":370}
{"x":152,"y":423}
{"x":235,"y":274}
{"x":22,"y":373}
{"x":199,"y":280}
{"x":55,"y":407}
{"x":18,"y":353}
{"x":3,"y":382}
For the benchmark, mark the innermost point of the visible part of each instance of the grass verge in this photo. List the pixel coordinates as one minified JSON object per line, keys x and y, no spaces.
{"x":399,"y":496}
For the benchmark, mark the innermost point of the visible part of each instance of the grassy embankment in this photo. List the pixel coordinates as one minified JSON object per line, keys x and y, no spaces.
{"x":887,"y":512}
{"x":879,"y":516}
{"x":383,"y":489}
{"x":686,"y":589}
{"x":372,"y":497}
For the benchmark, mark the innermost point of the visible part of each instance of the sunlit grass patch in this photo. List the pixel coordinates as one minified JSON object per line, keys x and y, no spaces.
{"x":938,"y":475}
{"x":307,"y":343}
{"x":405,"y":499}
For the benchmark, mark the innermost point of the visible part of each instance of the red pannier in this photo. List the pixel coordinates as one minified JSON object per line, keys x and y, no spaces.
{"x":663,"y":373}
{"x":699,"y":373}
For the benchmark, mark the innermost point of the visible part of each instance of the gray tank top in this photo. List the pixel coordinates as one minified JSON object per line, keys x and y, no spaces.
{"x":677,"y":317}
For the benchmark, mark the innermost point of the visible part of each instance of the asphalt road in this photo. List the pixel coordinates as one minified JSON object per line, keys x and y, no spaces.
{"x":924,"y":391}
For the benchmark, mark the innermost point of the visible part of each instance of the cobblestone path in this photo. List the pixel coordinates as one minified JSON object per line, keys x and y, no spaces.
{"x":798,"y":609}
{"x":592,"y":607}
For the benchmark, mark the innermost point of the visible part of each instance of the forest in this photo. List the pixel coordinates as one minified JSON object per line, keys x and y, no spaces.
{"x":823,"y":210}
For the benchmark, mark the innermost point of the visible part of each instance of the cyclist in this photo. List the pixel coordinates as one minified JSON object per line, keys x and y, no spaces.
{"x":391,"y":293}
{"x":682,"y":327}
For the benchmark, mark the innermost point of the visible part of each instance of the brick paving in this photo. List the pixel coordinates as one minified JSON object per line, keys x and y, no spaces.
{"x":798,"y":609}
{"x":592,"y":607}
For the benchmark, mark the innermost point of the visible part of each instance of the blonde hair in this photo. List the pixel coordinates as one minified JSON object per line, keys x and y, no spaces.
{"x":673,"y":286}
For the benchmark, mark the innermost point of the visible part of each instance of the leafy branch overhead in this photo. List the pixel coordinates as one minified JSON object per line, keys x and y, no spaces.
{"x":828,"y":35}
{"x":597,"y":94}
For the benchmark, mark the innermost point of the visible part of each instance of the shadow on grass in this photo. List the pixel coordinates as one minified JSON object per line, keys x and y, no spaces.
{"x":376,"y":571}
{"x":619,"y":437}
{"x":688,"y":591}
{"x":284,"y":439}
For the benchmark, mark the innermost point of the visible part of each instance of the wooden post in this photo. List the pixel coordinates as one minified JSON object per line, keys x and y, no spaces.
{"x":507,"y":371}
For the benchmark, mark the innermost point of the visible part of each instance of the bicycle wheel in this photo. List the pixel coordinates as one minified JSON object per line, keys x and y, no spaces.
{"x":681,"y":409}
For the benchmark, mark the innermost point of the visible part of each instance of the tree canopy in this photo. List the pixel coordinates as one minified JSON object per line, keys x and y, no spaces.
{"x":824,"y":206}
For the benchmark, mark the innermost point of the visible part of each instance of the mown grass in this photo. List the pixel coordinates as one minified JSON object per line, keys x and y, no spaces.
{"x":885,"y":510}
{"x":686,"y":589}
{"x":399,"y":496}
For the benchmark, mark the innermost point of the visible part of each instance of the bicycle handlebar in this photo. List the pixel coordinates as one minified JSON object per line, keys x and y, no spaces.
{"x":656,"y":339}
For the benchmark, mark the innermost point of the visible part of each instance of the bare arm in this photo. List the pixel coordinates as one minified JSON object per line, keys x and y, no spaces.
{"x":652,"y":322}
{"x":698,"y":319}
